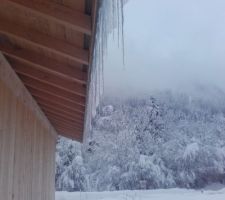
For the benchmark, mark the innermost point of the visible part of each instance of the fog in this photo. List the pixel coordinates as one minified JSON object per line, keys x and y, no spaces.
{"x":168,"y":45}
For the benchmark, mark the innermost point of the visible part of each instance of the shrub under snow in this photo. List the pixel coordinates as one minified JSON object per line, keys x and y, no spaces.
{"x":166,"y":141}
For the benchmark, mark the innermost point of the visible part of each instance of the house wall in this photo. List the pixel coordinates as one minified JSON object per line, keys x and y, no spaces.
{"x":27,"y":143}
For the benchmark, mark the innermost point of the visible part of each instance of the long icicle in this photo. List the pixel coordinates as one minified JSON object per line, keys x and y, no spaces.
{"x":110,"y":16}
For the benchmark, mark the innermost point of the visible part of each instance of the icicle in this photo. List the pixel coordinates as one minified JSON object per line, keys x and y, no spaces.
{"x":110,"y":16}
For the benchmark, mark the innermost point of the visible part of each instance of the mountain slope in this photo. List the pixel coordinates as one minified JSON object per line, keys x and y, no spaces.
{"x":166,"y":140}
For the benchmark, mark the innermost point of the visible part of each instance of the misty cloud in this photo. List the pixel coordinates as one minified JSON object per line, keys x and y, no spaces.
{"x":168,"y":45}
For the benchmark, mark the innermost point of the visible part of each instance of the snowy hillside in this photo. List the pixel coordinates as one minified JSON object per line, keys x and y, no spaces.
{"x":169,"y":194}
{"x":166,"y":140}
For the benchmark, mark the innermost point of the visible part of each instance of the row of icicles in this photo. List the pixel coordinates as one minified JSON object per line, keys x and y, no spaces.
{"x":110,"y":19}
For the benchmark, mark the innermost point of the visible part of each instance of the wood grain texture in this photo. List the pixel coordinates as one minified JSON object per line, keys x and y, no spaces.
{"x":48,"y":44}
{"x":10,"y":78}
{"x":27,"y":147}
{"x":57,"y":13}
{"x":44,"y":63}
{"x":38,"y":39}
{"x":48,"y":78}
{"x":52,"y":90}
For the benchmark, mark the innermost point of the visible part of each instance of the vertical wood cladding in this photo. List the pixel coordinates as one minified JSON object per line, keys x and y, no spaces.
{"x":27,"y":148}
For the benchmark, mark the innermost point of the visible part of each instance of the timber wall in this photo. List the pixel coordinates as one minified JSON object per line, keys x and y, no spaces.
{"x":27,"y":143}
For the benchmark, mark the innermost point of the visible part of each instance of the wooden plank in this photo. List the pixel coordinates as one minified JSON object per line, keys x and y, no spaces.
{"x":71,"y":130}
{"x":77,"y":136}
{"x":59,"y":107}
{"x":74,"y":118}
{"x":42,"y":62}
{"x":57,"y":101}
{"x":10,"y":78}
{"x":48,"y":78}
{"x":74,"y":125}
{"x":7,"y":140}
{"x":33,"y":37}
{"x":78,"y":5}
{"x":70,"y":134}
{"x":60,"y":111}
{"x":55,"y":117}
{"x":59,"y":14}
{"x":69,"y":126}
{"x":39,"y":85}
{"x":58,"y":114}
{"x":45,"y":26}
{"x":27,"y":145}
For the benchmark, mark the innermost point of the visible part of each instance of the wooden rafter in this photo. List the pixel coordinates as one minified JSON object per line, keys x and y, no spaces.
{"x":78,"y":117}
{"x":73,"y":134}
{"x":61,"y":107}
{"x":33,"y":37}
{"x":46,"y":88}
{"x":74,"y":124}
{"x":57,"y":118}
{"x":70,"y":134}
{"x":48,"y":78}
{"x":51,"y":116}
{"x":57,"y":100}
{"x":67,"y":131}
{"x":57,"y":13}
{"x":45,"y":63}
{"x":66,"y":125}
{"x":56,"y":113}
{"x":51,"y":111}
{"x":49,"y":44}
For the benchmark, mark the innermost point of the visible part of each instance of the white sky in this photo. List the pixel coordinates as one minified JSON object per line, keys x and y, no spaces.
{"x":168,"y":44}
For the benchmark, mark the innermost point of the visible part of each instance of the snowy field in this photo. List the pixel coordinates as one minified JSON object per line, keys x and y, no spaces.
{"x":167,"y":194}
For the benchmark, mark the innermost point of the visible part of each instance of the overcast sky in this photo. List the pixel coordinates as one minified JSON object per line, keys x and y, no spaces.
{"x":168,"y":44}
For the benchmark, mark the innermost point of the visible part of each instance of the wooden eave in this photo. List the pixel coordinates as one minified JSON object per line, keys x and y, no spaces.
{"x":49,"y":44}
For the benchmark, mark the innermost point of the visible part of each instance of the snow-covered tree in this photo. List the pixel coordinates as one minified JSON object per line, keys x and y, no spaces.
{"x":166,"y":140}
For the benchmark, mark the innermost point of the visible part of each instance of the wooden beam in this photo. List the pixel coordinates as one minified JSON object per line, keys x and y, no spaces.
{"x":77,"y":116}
{"x":61,"y":115}
{"x":57,"y":101}
{"x":33,"y":37}
{"x":59,"y":112}
{"x":74,"y":125}
{"x":48,"y":78}
{"x":44,"y":63}
{"x":39,"y":85}
{"x":14,"y":85}
{"x":50,"y":117}
{"x":59,"y":14}
{"x":78,"y":136}
{"x":73,"y":130}
{"x":68,"y":129}
{"x":59,"y":123}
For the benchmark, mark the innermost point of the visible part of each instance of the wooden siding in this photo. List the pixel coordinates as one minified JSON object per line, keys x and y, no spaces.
{"x":49,"y":43}
{"x":27,"y":143}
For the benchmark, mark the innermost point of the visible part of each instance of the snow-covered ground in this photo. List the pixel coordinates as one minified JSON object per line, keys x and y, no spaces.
{"x":164,"y":194}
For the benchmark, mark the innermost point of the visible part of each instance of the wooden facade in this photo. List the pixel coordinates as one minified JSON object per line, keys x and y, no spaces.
{"x":45,"y":52}
{"x":27,"y":142}
{"x":49,"y":44}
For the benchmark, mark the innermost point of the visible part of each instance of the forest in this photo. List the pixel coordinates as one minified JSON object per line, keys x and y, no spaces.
{"x":164,"y":140}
